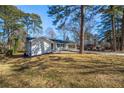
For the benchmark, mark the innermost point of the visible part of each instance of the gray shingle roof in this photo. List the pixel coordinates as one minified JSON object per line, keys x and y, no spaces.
{"x":54,"y":40}
{"x":61,"y":41}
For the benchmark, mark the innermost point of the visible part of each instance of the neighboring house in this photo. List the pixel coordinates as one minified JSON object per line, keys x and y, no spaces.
{"x":42,"y":45}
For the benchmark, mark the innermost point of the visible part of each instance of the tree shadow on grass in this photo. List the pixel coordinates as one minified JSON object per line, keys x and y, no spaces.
{"x":5,"y":82}
{"x":104,"y":68}
{"x":17,"y":56}
{"x":61,"y":59}
{"x":91,"y":67}
{"x":85,"y":68}
{"x":29,"y":66}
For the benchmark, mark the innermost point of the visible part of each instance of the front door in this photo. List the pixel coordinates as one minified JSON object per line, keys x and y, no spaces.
{"x":51,"y":46}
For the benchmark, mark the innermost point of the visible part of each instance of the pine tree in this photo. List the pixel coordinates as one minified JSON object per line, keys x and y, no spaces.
{"x":64,"y":14}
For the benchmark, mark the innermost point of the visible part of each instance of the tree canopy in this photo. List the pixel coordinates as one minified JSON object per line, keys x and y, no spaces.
{"x":13,"y":20}
{"x":109,"y":26}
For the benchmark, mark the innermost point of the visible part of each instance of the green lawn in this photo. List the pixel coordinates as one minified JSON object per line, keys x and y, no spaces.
{"x":62,"y":70}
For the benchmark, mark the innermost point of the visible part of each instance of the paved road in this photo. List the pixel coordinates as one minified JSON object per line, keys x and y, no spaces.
{"x":94,"y":52}
{"x":106,"y":53}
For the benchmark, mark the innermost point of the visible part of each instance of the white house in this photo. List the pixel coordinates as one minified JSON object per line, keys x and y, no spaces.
{"x":42,"y":45}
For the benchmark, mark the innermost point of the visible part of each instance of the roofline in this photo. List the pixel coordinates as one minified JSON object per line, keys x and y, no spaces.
{"x":51,"y":40}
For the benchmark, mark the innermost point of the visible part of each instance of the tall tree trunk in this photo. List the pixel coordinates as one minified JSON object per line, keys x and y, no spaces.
{"x":122,"y":33}
{"x":111,"y":42}
{"x":27,"y":30}
{"x":81,"y":30}
{"x":117,"y":35}
{"x":113,"y":28}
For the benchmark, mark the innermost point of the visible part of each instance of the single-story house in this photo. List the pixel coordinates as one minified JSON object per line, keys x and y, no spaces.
{"x":42,"y":45}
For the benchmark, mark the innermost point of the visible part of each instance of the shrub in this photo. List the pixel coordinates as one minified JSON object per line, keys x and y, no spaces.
{"x":9,"y":52}
{"x":0,"y":50}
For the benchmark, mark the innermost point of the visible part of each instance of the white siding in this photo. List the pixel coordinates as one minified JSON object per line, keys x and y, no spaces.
{"x":39,"y":47}
{"x":36,"y":49}
{"x":47,"y":47}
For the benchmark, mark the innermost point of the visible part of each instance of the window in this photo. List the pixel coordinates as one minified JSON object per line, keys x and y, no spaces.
{"x":60,"y":45}
{"x":71,"y":46}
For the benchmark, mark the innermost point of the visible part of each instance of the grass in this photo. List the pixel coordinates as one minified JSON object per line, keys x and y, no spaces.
{"x":62,"y":70}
